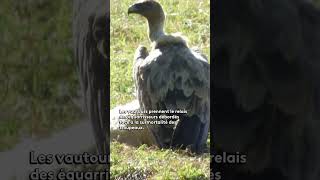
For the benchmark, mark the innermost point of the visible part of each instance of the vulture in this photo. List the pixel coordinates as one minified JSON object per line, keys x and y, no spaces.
{"x":172,"y":77}
{"x":266,"y":84}
{"x":90,"y":44}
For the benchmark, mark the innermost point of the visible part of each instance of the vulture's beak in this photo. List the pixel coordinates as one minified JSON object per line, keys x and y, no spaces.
{"x":133,"y":9}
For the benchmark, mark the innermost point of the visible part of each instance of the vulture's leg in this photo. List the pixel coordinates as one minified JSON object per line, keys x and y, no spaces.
{"x":191,"y":132}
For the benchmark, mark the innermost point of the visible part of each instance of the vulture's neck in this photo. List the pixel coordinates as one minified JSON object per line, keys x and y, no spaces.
{"x":156,"y":28}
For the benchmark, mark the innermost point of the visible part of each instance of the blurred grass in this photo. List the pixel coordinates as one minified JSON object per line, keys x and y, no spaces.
{"x":37,"y":71}
{"x":127,"y":32}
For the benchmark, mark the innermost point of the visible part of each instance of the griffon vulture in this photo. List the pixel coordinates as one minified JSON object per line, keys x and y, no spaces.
{"x":172,"y":77}
{"x":266,"y":88}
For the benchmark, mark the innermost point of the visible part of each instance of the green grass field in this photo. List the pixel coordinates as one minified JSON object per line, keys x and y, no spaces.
{"x":152,"y":163}
{"x":189,"y":17}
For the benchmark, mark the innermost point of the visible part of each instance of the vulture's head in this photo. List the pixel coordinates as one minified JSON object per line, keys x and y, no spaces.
{"x":149,"y":9}
{"x":154,"y":13}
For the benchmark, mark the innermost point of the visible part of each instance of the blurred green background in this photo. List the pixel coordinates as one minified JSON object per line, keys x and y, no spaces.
{"x":38,"y":79}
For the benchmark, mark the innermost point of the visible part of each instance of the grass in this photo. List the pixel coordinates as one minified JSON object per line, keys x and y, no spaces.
{"x":38,"y":79}
{"x":127,"y":32}
{"x":151,"y":163}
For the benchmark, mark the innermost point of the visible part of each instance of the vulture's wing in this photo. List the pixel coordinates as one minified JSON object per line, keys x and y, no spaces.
{"x":173,"y":77}
{"x":89,"y":33}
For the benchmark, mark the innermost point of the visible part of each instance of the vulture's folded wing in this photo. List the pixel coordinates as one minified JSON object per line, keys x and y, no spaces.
{"x":175,"y":78}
